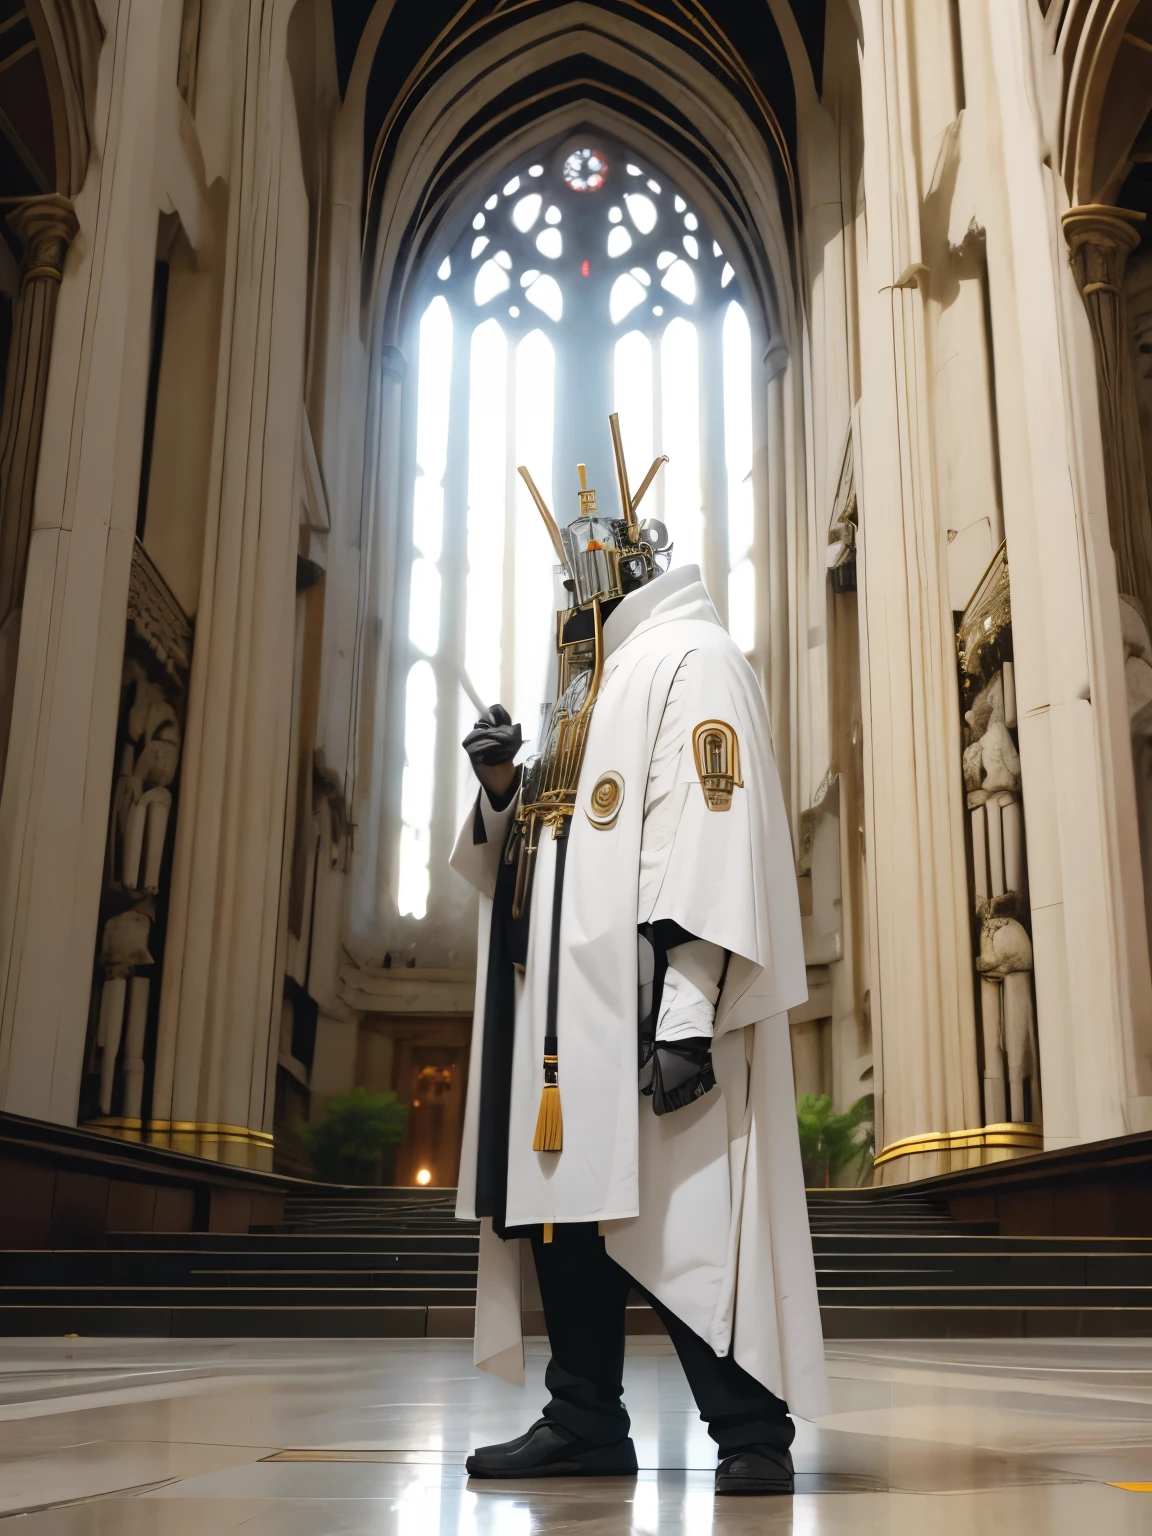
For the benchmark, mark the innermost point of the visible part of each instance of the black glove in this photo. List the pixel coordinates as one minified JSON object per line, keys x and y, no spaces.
{"x":493,"y":739}
{"x":677,"y":1072}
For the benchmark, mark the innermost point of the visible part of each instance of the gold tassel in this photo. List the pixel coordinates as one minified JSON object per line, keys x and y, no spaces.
{"x":549,"y":1135}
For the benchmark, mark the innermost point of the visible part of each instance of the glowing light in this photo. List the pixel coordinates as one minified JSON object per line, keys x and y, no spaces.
{"x":490,"y":280}
{"x":512,"y":186}
{"x":737,"y":353}
{"x":545,"y":294}
{"x":424,"y":1176}
{"x":416,"y":791}
{"x":642,"y":211}
{"x":692,"y":246}
{"x":585,"y":170}
{"x":619,"y":240}
{"x":585,"y":268}
{"x":527,"y":211}
{"x":487,"y":425}
{"x":534,"y":426}
{"x":632,"y":393}
{"x":727,"y":275}
{"x":691,"y":221}
{"x":626,"y":293}
{"x":444,"y":270}
{"x":550,"y":243}
{"x":680,"y":280}
{"x":479,"y":244}
{"x":535,"y":170}
{"x":680,"y":431}
{"x":434,"y":380}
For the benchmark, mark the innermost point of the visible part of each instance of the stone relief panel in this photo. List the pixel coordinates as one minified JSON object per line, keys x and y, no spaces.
{"x":998,"y":873}
{"x":120,"y":1051}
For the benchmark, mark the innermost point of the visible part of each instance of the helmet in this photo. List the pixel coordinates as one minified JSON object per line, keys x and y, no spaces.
{"x":607,"y":557}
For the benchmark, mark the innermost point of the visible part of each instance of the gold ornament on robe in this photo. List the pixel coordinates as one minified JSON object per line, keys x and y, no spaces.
{"x":716,"y":749}
{"x":606,"y":800}
{"x":602,"y":558}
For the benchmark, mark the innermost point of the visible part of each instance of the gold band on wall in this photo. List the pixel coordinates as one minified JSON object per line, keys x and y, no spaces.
{"x":1020,"y":1137}
{"x":204,"y":1131}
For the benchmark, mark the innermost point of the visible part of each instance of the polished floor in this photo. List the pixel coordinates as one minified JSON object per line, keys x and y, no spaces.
{"x":333,"y":1438}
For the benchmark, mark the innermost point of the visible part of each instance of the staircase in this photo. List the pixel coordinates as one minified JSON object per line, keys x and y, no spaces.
{"x":361,"y":1264}
{"x":897,"y":1266}
{"x":395,"y":1263}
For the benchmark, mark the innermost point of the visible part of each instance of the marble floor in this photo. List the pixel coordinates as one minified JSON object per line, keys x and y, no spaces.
{"x":342,"y":1438}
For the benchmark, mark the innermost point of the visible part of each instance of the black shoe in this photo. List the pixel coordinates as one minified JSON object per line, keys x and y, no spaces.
{"x":759,"y":1469}
{"x":546,"y":1450}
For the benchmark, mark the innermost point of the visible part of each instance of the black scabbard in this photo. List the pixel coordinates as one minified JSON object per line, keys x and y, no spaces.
{"x":551,"y":1039}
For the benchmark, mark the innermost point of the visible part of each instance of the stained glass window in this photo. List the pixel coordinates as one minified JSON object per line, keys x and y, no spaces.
{"x":579,"y":283}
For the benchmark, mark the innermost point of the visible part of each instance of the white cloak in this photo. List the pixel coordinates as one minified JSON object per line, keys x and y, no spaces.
{"x":705,"y":1206}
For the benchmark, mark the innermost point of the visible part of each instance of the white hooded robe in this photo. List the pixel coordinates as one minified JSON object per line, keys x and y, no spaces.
{"x":704,"y":1206}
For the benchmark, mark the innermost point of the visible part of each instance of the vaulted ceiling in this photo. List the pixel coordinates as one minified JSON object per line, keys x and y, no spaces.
{"x":735,"y":41}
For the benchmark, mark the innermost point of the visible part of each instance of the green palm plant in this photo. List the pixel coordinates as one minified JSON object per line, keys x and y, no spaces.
{"x":346,"y":1146}
{"x":831,"y":1142}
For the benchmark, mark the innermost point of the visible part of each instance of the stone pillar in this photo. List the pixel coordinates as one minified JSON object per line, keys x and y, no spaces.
{"x":1100,"y":240}
{"x":46,"y":226}
{"x":776,"y":553}
{"x":921,"y":979}
{"x":219,"y":1013}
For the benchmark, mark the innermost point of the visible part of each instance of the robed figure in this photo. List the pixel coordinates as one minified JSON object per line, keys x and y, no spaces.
{"x":631,"y":1118}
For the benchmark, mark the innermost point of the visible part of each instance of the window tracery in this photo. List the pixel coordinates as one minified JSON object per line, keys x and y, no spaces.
{"x":582,"y":283}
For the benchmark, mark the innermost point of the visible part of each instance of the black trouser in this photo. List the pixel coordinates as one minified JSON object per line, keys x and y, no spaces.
{"x":585,"y":1294}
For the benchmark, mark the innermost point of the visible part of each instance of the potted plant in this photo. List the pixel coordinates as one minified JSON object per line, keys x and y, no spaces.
{"x":831,"y":1142}
{"x":350,"y":1144}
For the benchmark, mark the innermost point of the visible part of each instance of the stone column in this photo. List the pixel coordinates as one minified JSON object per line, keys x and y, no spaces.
{"x":921,"y":977}
{"x":219,"y":1011}
{"x":46,"y":226}
{"x":1100,"y":239}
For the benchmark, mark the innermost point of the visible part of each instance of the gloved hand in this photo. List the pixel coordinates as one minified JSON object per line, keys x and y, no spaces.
{"x":677,"y":1072}
{"x":491,"y":745}
{"x":493,"y":739}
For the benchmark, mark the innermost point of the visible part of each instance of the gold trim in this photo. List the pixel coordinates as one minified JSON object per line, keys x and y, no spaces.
{"x":1022,"y":1136}
{"x":716,"y":748}
{"x":606,"y":801}
{"x":117,"y":1125}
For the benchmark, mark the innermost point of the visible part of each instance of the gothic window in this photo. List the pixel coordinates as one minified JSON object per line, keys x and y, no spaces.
{"x":583,"y":282}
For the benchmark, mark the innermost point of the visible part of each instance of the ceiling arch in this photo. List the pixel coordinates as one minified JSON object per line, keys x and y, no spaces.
{"x":487,"y":89}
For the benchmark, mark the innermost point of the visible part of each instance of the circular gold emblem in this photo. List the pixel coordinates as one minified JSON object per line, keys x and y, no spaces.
{"x":605,"y":800}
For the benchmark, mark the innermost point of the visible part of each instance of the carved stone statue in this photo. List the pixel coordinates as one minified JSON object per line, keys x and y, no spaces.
{"x":124,"y":946}
{"x":141,"y":810}
{"x":991,"y":767}
{"x":143,"y":798}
